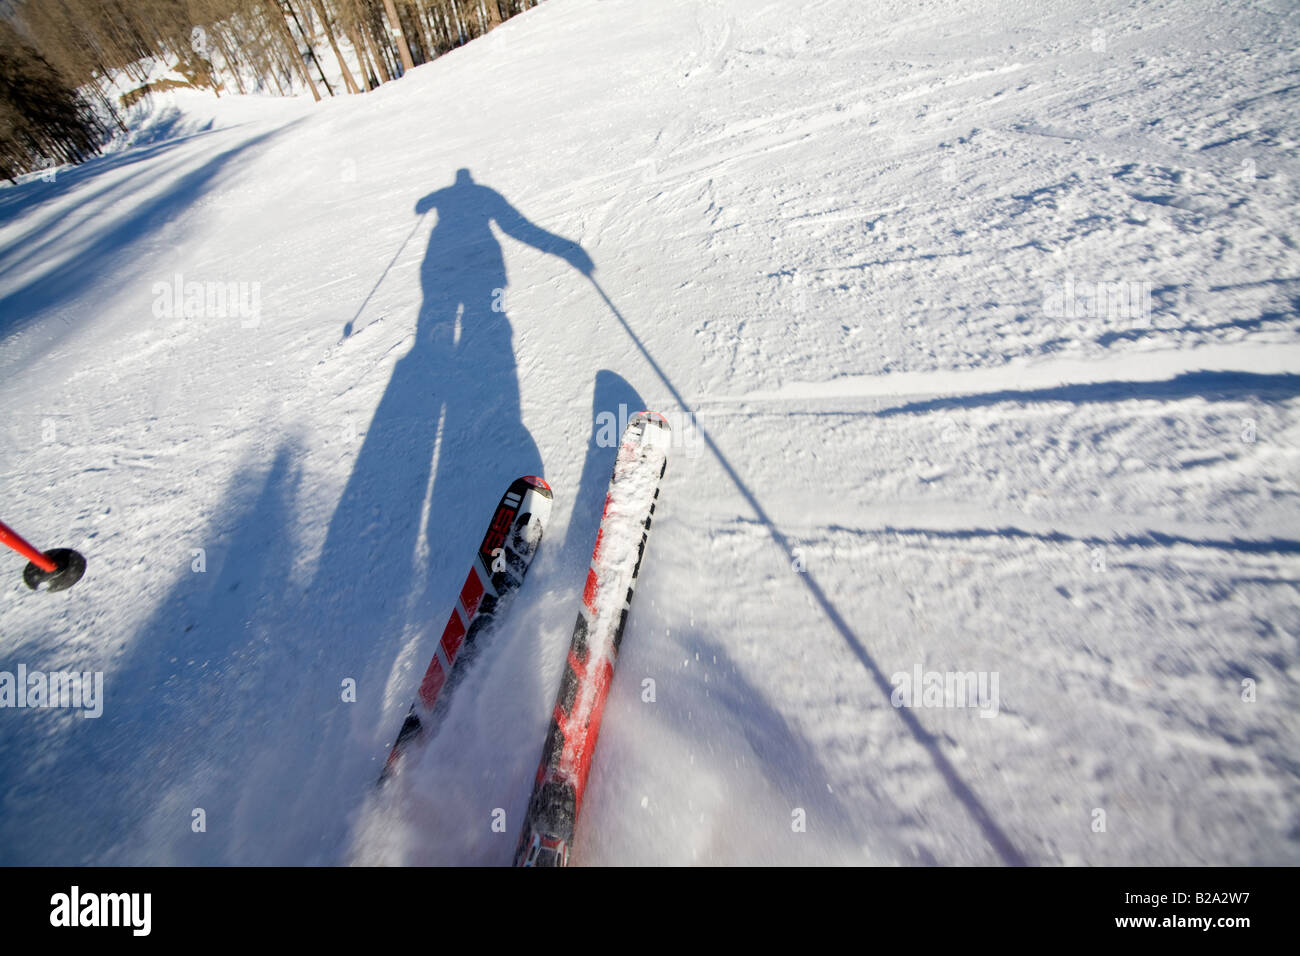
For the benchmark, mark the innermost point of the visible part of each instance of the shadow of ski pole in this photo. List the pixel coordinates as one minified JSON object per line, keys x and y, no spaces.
{"x":1000,"y":842}
{"x":351,"y":324}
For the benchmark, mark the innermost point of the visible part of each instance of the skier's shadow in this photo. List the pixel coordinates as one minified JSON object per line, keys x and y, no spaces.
{"x":258,"y":702}
{"x":445,"y":440}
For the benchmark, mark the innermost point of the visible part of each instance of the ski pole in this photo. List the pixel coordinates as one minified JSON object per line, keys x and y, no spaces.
{"x":12,"y":538}
{"x":60,"y":568}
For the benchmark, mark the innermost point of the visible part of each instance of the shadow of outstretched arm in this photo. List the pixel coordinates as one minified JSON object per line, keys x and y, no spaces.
{"x":514,"y":224}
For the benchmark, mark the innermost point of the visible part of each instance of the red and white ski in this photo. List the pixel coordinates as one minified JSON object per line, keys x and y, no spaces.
{"x":497,"y":570}
{"x":575,"y":721}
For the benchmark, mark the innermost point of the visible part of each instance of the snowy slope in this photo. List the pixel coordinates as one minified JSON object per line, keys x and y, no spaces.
{"x":832,"y":242}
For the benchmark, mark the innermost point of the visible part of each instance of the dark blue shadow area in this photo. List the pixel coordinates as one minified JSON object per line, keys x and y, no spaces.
{"x":40,"y":238}
{"x":612,"y":398}
{"x":100,"y":256}
{"x":16,"y":200}
{"x":231,"y":696}
{"x":167,"y":125}
{"x":187,"y":709}
{"x":444,"y":442}
{"x":1264,"y":318}
{"x":1215,"y":386}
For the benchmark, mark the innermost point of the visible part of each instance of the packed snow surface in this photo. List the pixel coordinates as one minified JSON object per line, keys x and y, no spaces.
{"x":979,"y":543}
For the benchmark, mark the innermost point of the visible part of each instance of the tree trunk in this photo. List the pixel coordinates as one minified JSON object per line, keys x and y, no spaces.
{"x":338,"y":54}
{"x":363,"y":62}
{"x":108,"y":105}
{"x":292,"y":48}
{"x":403,"y":49}
{"x":310,"y":49}
{"x":370,"y":36}
{"x":231,"y":64}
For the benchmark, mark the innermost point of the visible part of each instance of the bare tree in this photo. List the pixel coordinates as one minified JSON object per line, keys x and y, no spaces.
{"x":60,"y":69}
{"x":403,"y":48}
{"x":338,"y":54}
{"x":276,"y":16}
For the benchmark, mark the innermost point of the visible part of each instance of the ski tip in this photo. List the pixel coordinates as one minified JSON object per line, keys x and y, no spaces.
{"x":536,"y":481}
{"x":650,"y":416}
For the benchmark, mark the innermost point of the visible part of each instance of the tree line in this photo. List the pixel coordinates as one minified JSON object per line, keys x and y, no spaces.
{"x":60,"y":59}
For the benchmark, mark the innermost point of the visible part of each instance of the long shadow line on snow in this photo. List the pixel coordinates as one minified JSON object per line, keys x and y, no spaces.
{"x":1216,"y":386}
{"x":41,"y":238}
{"x":17,"y":199}
{"x":99,"y":256}
{"x":1146,"y":539}
{"x":1264,"y":318}
{"x":993,"y":833}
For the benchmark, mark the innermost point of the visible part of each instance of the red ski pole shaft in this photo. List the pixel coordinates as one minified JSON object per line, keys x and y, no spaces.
{"x":13,"y":539}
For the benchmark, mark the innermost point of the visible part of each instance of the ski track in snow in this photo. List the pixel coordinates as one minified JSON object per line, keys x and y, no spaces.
{"x":837,"y":237}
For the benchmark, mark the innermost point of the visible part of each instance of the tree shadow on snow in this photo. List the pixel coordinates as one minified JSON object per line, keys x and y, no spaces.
{"x":148,"y":143}
{"x":99,"y":260}
{"x":189,"y":704}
